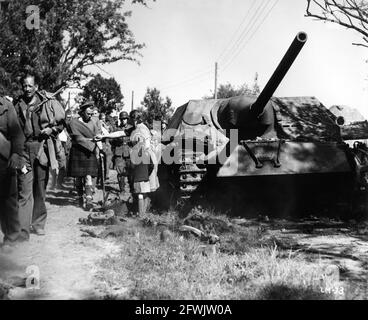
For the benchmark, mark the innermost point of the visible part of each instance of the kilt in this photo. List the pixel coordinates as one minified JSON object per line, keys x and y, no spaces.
{"x":142,"y":187}
{"x":82,"y":162}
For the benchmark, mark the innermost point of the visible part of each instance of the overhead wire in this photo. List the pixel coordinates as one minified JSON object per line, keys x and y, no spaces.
{"x":241,"y":48}
{"x":102,"y":69}
{"x":245,"y":31}
{"x":228,"y":45}
{"x":201,"y":75}
{"x":228,"y":52}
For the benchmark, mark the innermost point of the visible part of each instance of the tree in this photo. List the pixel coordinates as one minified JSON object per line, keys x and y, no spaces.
{"x":72,"y":35}
{"x":154,"y":107}
{"x":352,"y":14}
{"x":105,"y":93}
{"x":228,"y":90}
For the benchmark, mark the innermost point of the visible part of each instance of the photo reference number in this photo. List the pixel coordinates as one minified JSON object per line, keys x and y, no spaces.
{"x":190,"y":309}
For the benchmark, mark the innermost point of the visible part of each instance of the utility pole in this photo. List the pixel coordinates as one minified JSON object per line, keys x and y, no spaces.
{"x":132,"y":100}
{"x":69,"y":108}
{"x":215,"y":80}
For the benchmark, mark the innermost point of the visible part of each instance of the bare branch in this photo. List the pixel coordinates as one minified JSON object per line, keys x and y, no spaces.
{"x":347,"y":13}
{"x":360,"y":45}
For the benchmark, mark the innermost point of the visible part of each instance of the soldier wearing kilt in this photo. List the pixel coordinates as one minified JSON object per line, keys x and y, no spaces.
{"x":84,"y":153}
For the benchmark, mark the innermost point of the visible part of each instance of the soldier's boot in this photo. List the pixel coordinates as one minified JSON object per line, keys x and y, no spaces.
{"x":81,"y":201}
{"x":60,"y":179}
{"x":124,"y":187}
{"x":121,"y":182}
{"x":79,"y":188}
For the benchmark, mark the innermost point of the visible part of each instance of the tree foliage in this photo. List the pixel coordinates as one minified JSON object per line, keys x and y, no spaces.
{"x":154,"y":107}
{"x":104,"y":92}
{"x":73,"y":34}
{"x":228,"y":90}
{"x":351,"y":14}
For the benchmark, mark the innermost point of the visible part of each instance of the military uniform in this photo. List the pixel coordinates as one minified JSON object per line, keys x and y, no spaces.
{"x":11,"y":141}
{"x":83,"y":159}
{"x":121,"y":152}
{"x":39,"y":154}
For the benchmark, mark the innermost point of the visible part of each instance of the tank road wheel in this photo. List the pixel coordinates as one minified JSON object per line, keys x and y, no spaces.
{"x":178,"y":183}
{"x":190,"y":176}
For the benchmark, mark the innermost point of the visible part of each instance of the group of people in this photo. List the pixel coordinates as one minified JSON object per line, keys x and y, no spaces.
{"x":31,"y":146}
{"x":98,"y":143}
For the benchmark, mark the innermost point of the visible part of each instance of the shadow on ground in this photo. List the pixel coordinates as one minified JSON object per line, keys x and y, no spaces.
{"x":283,"y":292}
{"x":61,"y":198}
{"x":9,"y":266}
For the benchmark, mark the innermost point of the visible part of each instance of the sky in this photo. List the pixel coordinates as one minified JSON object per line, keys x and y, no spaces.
{"x":184,"y":39}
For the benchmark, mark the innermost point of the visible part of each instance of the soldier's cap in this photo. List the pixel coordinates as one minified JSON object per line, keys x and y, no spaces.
{"x":123,"y":115}
{"x":86,"y":104}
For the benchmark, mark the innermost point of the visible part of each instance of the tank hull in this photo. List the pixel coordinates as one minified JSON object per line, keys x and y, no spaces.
{"x":326,"y":194}
{"x":316,"y":178}
{"x":293,"y":158}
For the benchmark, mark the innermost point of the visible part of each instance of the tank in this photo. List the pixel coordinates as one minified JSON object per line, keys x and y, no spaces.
{"x":249,"y":155}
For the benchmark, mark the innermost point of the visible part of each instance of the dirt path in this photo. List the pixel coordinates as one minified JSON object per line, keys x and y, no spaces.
{"x":66,"y":261}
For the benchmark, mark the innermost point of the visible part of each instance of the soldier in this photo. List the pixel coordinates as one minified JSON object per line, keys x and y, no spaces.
{"x":121,"y":154}
{"x":41,"y":118}
{"x":11,"y":150}
{"x":84,"y":153}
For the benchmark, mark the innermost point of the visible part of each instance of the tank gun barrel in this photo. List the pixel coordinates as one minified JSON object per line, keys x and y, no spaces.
{"x":280,"y":72}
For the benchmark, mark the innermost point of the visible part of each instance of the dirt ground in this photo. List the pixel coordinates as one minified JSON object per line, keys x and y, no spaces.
{"x":64,"y":258}
{"x":67,"y":260}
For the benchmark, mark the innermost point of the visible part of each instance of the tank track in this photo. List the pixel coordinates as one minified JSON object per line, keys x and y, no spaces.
{"x":190,"y":175}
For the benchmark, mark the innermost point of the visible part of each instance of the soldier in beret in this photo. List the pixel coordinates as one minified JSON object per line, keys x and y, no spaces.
{"x":85,"y":152}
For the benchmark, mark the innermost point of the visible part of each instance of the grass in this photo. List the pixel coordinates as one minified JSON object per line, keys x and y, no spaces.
{"x":243,"y":266}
